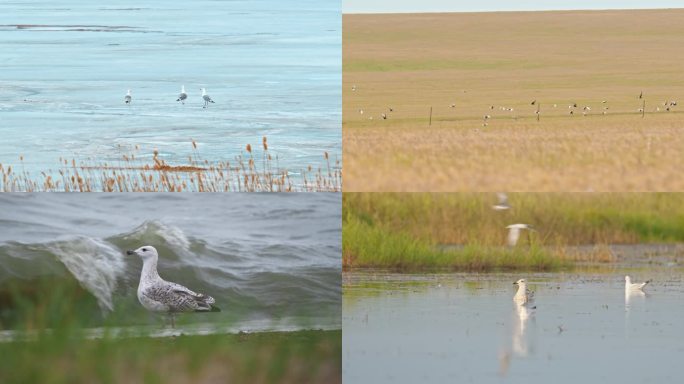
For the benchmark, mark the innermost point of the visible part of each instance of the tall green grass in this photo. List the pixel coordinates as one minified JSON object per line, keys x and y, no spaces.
{"x":561,"y":218}
{"x":45,"y":337}
{"x":371,"y":246}
{"x":276,"y":357}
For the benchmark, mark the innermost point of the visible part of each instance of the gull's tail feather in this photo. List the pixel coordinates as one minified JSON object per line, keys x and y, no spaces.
{"x":208,"y":308}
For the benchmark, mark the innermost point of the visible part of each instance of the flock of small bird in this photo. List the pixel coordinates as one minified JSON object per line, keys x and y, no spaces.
{"x":573,"y":107}
{"x":525,"y":297}
{"x":128,"y":99}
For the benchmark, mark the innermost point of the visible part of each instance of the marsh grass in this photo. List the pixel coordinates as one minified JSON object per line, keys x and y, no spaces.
{"x":48,"y":318}
{"x":369,"y":246}
{"x":249,"y":172}
{"x":404,"y":230}
{"x":561,"y":218}
{"x":273,"y":357}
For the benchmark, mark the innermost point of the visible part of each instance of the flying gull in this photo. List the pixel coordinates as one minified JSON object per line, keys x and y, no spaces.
{"x":182,"y":95}
{"x":159,"y":295}
{"x":503,"y":202}
{"x":514,"y":232}
{"x":127,"y":98}
{"x":206,"y":98}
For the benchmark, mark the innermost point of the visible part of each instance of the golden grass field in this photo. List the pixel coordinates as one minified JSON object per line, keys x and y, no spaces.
{"x":476,"y":61}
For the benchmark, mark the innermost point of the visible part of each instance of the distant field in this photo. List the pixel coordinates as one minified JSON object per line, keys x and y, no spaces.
{"x":476,"y":61}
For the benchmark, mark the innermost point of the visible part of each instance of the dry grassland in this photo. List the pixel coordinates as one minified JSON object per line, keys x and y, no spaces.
{"x":475,"y":61}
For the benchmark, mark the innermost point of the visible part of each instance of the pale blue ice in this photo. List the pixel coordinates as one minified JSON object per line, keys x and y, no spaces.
{"x":273,"y":68}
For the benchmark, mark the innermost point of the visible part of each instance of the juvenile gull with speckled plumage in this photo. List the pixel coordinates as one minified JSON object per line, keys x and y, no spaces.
{"x":159,"y":295}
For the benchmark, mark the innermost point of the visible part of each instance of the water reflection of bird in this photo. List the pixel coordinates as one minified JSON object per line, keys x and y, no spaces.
{"x":519,"y":339}
{"x":514,"y":232}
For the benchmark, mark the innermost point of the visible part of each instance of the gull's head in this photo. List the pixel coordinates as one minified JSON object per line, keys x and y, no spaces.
{"x":129,"y":92}
{"x":520,"y":282}
{"x":628,"y":280}
{"x":146,"y":252}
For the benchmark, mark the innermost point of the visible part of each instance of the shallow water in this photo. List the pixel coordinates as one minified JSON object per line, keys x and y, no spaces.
{"x":271,"y":260}
{"x":465,"y":328}
{"x":273,"y":68}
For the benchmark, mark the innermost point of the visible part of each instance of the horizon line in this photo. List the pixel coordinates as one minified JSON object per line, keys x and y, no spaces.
{"x":381,"y":12}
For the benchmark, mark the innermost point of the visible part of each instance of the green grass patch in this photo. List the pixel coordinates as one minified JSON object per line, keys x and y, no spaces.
{"x":561,"y":218}
{"x":276,"y":357}
{"x":367,"y":245}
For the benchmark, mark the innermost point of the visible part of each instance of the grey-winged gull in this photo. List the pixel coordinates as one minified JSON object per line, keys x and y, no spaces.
{"x":182,"y":95}
{"x":127,"y":98}
{"x":159,"y":295}
{"x":206,"y":98}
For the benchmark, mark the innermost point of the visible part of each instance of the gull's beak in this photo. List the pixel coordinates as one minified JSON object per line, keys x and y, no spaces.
{"x":516,"y":283}
{"x":129,"y":252}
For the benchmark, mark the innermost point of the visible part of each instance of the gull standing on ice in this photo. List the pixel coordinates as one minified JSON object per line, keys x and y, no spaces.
{"x":127,"y":98}
{"x":629,"y":287}
{"x":524,"y":296}
{"x":206,"y":98}
{"x":159,"y":295}
{"x":182,"y":95}
{"x":503,"y":202}
{"x":514,"y":232}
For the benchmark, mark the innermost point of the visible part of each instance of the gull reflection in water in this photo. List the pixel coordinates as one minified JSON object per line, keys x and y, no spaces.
{"x":522,"y":345}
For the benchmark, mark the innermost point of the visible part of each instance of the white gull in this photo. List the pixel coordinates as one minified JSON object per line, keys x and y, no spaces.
{"x":159,"y":295}
{"x":182,"y":95}
{"x":206,"y":98}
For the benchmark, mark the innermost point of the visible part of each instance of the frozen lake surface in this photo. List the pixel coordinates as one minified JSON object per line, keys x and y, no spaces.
{"x":272,"y":67}
{"x":463,"y":328}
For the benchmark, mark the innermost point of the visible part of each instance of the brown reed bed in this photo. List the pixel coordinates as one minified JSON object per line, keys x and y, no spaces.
{"x":248,"y":172}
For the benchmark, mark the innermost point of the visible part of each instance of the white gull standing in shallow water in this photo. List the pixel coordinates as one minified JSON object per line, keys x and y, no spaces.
{"x":629,"y":287}
{"x":524,"y":296}
{"x":127,"y":98}
{"x":159,"y":295}
{"x":206,"y":98}
{"x":182,"y":95}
